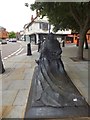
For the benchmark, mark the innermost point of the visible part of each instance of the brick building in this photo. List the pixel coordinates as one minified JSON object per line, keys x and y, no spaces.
{"x":3,"y":33}
{"x":72,"y":38}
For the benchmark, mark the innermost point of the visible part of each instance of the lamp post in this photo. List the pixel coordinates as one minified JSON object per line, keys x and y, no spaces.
{"x":29,"y":53}
{"x":49,"y":27}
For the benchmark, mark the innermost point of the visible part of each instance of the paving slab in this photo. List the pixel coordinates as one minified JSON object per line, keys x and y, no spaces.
{"x":16,"y":81}
{"x":77,"y":71}
{"x":21,"y":98}
{"x":13,"y":112}
{"x":8,"y":97}
{"x":20,"y":85}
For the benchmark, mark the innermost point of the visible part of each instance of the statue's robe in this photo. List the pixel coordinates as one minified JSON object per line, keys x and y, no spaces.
{"x":53,"y":86}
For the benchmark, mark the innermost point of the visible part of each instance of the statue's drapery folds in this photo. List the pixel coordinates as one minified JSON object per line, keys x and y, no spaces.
{"x":53,"y":86}
{"x":52,"y":94}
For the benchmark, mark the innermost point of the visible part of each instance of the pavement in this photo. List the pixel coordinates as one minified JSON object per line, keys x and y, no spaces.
{"x":15,"y":83}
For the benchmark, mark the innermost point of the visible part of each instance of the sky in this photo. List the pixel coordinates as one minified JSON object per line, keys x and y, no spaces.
{"x":14,"y":14}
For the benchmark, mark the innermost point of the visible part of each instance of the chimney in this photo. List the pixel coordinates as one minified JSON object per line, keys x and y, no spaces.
{"x":31,"y":18}
{"x":37,"y":13}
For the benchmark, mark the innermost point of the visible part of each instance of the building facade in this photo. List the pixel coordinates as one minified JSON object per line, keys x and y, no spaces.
{"x":74,"y":37}
{"x":38,"y":29}
{"x":3,"y":33}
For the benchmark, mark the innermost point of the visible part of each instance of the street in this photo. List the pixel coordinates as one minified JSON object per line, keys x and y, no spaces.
{"x":14,"y":48}
{"x":10,"y":49}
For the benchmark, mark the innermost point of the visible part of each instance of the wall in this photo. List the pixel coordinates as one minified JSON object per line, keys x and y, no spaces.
{"x":75,"y":37}
{"x":34,"y":28}
{"x":3,"y":33}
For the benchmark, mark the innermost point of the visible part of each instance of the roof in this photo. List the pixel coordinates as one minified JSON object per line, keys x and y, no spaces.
{"x":31,"y":22}
{"x":41,"y":20}
{"x":25,"y":25}
{"x":88,"y":32}
{"x":36,"y":21}
{"x":2,"y":27}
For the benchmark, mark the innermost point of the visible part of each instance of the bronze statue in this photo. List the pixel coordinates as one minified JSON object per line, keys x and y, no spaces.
{"x":53,"y":86}
{"x":52,"y":94}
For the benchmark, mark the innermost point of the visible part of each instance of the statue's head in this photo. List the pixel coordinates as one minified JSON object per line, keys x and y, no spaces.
{"x":53,"y":44}
{"x":51,"y":36}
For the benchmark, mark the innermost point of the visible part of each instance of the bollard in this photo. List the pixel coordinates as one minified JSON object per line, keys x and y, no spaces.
{"x":29,"y":49}
{"x":77,"y":42}
{"x":63,"y":44}
{"x":39,"y":46}
{"x":2,"y":70}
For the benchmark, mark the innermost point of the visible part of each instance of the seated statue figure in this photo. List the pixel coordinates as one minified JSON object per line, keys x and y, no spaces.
{"x":53,"y":86}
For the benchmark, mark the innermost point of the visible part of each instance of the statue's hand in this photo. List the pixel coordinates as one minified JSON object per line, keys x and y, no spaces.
{"x":37,"y":61}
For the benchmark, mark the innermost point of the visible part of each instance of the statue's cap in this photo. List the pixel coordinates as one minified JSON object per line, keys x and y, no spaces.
{"x":51,"y":36}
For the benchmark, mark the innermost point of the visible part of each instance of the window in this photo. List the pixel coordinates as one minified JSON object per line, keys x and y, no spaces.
{"x":43,"y":26}
{"x":40,"y":25}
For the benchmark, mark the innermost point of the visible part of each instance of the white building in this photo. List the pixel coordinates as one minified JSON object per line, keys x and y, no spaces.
{"x":38,"y":29}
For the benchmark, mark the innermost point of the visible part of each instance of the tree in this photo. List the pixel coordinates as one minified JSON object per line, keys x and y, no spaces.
{"x":12,"y":34}
{"x":67,"y":15}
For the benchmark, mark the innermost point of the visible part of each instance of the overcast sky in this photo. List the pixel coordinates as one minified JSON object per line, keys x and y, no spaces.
{"x":14,"y":15}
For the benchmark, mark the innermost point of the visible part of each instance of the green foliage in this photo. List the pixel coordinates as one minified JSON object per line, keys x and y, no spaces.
{"x":65,"y":15}
{"x":12,"y":34}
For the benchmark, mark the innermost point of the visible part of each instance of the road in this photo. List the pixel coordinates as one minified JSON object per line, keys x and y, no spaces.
{"x":11,"y":49}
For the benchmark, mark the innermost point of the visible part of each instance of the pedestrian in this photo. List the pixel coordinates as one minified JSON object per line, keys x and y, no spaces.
{"x":63,"y":43}
{"x":77,"y":41}
{"x":39,"y":45}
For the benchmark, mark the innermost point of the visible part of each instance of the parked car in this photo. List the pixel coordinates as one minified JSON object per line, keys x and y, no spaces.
{"x":3,"y":41}
{"x":7,"y":39}
{"x":10,"y":40}
{"x":13,"y":40}
{"x":0,"y":41}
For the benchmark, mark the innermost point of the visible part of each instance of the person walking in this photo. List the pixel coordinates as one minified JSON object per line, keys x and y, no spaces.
{"x":39,"y":45}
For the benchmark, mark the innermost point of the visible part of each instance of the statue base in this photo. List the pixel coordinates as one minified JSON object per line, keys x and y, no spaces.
{"x":42,"y":112}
